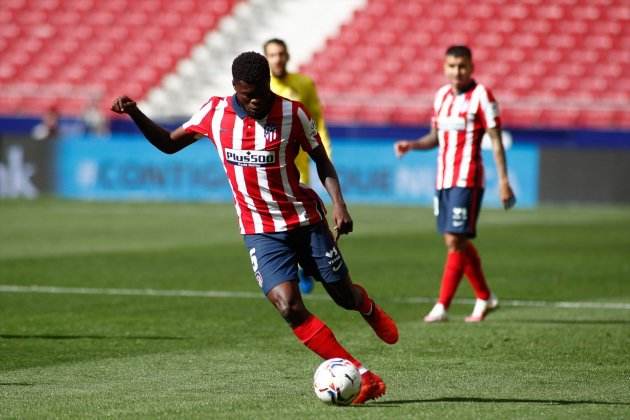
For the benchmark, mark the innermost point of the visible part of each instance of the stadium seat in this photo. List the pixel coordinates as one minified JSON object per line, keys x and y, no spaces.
{"x":542,"y":59}
{"x":74,"y":44}
{"x":556,"y":54}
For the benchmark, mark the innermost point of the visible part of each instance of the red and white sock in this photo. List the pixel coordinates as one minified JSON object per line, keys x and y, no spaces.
{"x":316,"y":335}
{"x":453,"y":272}
{"x":474,"y":273}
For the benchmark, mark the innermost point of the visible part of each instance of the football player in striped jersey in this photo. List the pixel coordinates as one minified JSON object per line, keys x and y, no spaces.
{"x":463,"y":111}
{"x":257,"y":135}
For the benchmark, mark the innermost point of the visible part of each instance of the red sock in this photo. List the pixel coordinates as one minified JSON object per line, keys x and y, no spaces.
{"x":315,"y":335}
{"x":366,"y":303}
{"x":453,"y":271}
{"x":474,"y":273}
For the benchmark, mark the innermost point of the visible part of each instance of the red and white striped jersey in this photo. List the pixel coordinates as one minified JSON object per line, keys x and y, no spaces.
{"x":461,"y":121}
{"x":258,"y":158}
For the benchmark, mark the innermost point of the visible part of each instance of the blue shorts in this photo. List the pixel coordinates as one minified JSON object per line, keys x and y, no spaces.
{"x":275,"y":256}
{"x":457,"y":210}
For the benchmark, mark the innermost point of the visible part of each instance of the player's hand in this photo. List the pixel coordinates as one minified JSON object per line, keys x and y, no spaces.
{"x":123,"y":105}
{"x":343,"y":221}
{"x":507,"y":196}
{"x":401,"y":147}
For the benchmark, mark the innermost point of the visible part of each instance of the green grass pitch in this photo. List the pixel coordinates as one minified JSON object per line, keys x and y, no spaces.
{"x":559,"y":347}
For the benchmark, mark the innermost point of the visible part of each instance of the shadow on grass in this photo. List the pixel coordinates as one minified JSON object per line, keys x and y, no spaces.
{"x":497,"y":401}
{"x":89,"y":337}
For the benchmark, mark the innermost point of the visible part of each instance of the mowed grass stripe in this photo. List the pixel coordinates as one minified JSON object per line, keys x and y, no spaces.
{"x":7,"y":288}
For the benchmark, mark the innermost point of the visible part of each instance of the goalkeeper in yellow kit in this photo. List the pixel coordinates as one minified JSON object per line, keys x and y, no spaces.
{"x":297,"y":87}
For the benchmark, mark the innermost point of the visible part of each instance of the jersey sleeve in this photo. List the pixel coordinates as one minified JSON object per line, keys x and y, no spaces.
{"x":437,"y":103}
{"x":489,"y":110}
{"x":200,"y":122}
{"x":308,"y":135}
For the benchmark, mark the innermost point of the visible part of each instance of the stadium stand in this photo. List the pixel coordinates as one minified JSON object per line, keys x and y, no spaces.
{"x":64,"y":53}
{"x":551,"y":63}
{"x":557,"y":63}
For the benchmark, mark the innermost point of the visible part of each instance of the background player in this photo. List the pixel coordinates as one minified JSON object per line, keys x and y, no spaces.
{"x":257,"y":135}
{"x":298,"y":87}
{"x":463,"y":111}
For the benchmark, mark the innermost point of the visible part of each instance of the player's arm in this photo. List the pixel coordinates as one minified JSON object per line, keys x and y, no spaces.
{"x":330,"y":181}
{"x":426,"y":142}
{"x":162,"y":139}
{"x":505,"y":190}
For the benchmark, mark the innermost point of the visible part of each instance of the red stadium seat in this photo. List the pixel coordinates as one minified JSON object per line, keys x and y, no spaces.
{"x":341,"y":114}
{"x":600,"y":118}
{"x":556,"y":54}
{"x":532,"y":53}
{"x":77,"y":45}
{"x":559,"y":117}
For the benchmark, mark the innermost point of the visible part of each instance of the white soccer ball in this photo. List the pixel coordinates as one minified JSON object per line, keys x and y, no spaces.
{"x":337,"y":381}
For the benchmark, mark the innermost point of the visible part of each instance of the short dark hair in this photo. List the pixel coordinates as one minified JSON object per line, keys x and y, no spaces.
{"x":251,"y":67}
{"x":275,"y":41}
{"x":459,"y":51}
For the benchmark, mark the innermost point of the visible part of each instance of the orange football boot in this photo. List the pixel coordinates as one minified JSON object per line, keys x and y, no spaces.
{"x":372,"y":387}
{"x":382,"y":324}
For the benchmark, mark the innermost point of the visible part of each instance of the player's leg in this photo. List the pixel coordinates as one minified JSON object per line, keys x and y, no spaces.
{"x":309,"y":329}
{"x":353,"y":296}
{"x":316,"y":335}
{"x":474,"y":272}
{"x":451,"y":212}
{"x":274,"y":263}
{"x":486,"y":301}
{"x":322,"y":259}
{"x":451,"y":277}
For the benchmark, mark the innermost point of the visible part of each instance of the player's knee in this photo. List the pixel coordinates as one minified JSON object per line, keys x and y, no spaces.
{"x":343,"y":293}
{"x":292,"y":310}
{"x":455,"y":242}
{"x":345,"y":300}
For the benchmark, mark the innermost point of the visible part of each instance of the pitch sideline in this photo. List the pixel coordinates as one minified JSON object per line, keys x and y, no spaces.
{"x":7,"y":288}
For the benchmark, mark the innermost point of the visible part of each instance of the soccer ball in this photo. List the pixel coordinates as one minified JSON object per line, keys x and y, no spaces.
{"x":337,"y":381}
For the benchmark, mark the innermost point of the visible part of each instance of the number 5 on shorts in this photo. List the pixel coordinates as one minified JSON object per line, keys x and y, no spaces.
{"x":252,"y":256}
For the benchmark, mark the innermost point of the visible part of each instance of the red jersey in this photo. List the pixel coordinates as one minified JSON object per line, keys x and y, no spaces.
{"x":258,"y":158}
{"x":461,"y":121}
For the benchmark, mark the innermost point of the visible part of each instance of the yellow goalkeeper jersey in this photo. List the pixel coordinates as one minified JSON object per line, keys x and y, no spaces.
{"x":299,"y":87}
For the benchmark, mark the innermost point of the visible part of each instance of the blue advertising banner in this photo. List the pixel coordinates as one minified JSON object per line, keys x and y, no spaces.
{"x":123,"y":168}
{"x":126,"y":169}
{"x":370,"y":173}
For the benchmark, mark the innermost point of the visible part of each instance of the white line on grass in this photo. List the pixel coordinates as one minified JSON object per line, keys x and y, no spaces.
{"x":7,"y":288}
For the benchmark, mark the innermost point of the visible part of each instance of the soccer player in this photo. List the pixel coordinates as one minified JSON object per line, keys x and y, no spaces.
{"x":301,"y":88}
{"x":463,"y":111}
{"x":257,"y":135}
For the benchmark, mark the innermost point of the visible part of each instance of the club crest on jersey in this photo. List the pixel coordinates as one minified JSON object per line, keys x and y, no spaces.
{"x":271,"y":133}
{"x":250,"y":157}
